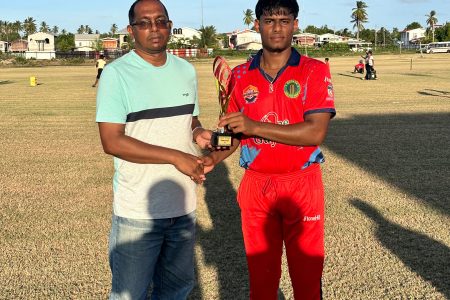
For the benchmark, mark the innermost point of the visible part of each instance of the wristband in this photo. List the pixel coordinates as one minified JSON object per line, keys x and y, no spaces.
{"x":193,"y":131}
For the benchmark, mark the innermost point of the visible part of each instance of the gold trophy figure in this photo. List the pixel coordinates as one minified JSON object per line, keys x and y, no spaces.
{"x":222,"y":137}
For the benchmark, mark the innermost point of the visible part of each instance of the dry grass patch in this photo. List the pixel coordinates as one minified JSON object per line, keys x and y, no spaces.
{"x":387,"y":185}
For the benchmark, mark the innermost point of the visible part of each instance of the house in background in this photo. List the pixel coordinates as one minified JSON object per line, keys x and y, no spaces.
{"x":186,"y":33}
{"x":330,"y":38}
{"x":412,"y":37}
{"x":110,"y":44}
{"x":244,"y":39}
{"x":85,"y":42}
{"x":304,"y":39}
{"x":3,"y":46}
{"x":41,"y":45}
{"x":18,"y":46}
{"x":124,"y":38}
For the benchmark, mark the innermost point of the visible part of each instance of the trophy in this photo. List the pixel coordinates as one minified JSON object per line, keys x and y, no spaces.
{"x":222,"y":137}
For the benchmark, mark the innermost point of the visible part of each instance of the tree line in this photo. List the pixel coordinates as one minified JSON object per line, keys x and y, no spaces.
{"x":10,"y":31}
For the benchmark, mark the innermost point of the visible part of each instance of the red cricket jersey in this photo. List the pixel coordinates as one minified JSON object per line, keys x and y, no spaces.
{"x":302,"y":87}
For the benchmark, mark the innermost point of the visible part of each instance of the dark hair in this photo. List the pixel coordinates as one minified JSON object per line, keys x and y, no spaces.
{"x":131,"y":13}
{"x":276,"y":7}
{"x":102,"y":56}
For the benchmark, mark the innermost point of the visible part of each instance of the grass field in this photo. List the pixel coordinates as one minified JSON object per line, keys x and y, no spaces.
{"x":387,"y":179}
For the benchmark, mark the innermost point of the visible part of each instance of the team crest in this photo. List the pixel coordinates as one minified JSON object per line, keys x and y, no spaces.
{"x":251,"y":94}
{"x":330,"y":91}
{"x":292,"y":89}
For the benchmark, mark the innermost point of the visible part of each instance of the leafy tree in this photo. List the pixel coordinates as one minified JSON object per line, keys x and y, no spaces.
{"x":64,"y":31}
{"x":359,"y":16}
{"x":344,"y":32}
{"x":248,"y":17}
{"x":44,"y":27}
{"x":315,"y":30}
{"x":431,"y":21}
{"x":395,"y":35}
{"x":65,"y":41}
{"x":443,"y":33}
{"x":97,"y":45}
{"x":413,"y":25}
{"x":29,"y":26}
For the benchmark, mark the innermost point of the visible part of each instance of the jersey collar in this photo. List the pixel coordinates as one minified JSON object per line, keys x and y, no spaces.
{"x":294,"y":59}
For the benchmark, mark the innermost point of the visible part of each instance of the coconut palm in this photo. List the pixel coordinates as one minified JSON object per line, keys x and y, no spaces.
{"x":359,"y":17}
{"x":44,"y":27}
{"x":55,"y":30}
{"x":114,"y":29}
{"x":208,"y":37}
{"x":29,"y":26}
{"x":248,"y":17}
{"x":431,"y":21}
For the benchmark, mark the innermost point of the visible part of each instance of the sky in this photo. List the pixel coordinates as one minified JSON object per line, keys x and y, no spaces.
{"x":225,"y":15}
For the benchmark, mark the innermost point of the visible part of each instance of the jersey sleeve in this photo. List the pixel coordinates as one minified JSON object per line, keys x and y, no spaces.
{"x":319,"y":94}
{"x":110,"y":99}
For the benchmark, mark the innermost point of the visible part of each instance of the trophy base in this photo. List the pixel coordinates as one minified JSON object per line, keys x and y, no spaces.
{"x":221,"y":139}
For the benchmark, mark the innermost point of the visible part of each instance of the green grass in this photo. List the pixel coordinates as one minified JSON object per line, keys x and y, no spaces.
{"x":387,"y":175}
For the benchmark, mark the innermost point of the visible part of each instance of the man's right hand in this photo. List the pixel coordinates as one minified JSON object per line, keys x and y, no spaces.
{"x":191,"y":166}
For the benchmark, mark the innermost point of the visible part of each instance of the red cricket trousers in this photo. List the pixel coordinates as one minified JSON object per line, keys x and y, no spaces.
{"x":289,"y":208}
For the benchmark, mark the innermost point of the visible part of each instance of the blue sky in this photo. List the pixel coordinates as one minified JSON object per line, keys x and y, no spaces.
{"x":225,"y":15}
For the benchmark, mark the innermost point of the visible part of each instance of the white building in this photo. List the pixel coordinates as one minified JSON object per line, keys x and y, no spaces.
{"x":412,"y":36}
{"x":186,"y":33}
{"x":41,"y":45}
{"x":85,"y":42}
{"x":330,"y":38}
{"x":124,"y":38}
{"x":245,"y":39}
{"x":3,"y":46}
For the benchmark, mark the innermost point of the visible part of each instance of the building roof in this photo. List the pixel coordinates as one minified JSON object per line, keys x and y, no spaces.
{"x":87,"y":37}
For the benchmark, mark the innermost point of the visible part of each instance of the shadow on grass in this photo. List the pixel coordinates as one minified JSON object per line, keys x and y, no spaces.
{"x":5,"y":82}
{"x":223,"y":246}
{"x":436,"y":93}
{"x":352,"y":76}
{"x":426,"y":257}
{"x":409,"y":151}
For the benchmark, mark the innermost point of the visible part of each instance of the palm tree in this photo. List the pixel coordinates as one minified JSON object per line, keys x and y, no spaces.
{"x":359,"y":16}
{"x":248,"y":17}
{"x":114,"y":29}
{"x":81,"y":29}
{"x":208,"y":37}
{"x":29,"y":26}
{"x":431,"y":21}
{"x":55,"y":30}
{"x":44,"y":27}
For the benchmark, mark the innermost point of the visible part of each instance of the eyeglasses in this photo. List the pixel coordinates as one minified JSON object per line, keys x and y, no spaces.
{"x":147,"y":24}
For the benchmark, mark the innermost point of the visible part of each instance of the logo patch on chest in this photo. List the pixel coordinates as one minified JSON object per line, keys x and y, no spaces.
{"x":292,"y":89}
{"x":250,"y":94}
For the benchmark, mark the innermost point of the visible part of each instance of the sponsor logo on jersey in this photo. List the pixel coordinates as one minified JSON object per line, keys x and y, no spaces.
{"x":311,"y":218}
{"x":271,"y":117}
{"x":250,"y":94}
{"x":292,"y":89}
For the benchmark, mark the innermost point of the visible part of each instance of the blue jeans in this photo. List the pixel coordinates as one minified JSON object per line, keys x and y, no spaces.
{"x":157,"y":254}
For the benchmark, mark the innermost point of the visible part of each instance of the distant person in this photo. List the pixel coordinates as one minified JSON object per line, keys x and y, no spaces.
{"x":359,"y":68}
{"x":100,"y":64}
{"x":370,"y":66}
{"x":327,"y":61}
{"x":280,"y":109}
{"x":147,"y":113}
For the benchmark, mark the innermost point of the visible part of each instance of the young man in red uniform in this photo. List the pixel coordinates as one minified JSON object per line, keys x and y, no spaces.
{"x":280,"y":109}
